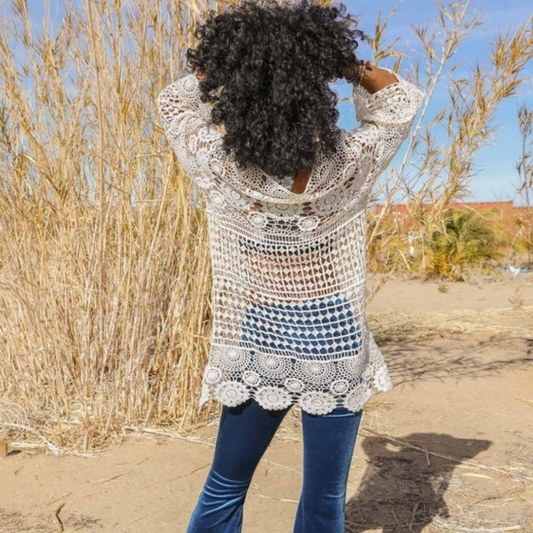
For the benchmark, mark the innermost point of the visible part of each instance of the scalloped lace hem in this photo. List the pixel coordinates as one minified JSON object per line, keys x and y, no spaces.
{"x":233,"y":392}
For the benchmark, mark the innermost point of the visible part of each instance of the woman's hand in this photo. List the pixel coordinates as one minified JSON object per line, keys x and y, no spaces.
{"x":375,"y":78}
{"x":200,"y":75}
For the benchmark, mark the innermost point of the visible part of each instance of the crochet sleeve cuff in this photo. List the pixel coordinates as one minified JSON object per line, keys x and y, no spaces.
{"x":394,"y":104}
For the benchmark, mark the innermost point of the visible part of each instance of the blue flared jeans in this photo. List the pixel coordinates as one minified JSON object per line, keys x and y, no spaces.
{"x":245,"y":432}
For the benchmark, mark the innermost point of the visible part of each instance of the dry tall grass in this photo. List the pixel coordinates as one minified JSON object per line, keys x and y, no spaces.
{"x":104,"y":262}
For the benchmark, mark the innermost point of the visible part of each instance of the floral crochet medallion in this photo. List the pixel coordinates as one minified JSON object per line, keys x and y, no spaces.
{"x":289,"y":269}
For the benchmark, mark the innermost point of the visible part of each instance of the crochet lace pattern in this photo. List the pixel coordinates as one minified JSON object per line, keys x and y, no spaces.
{"x":289,"y":275}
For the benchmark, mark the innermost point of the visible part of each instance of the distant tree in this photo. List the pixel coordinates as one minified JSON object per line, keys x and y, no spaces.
{"x":462,"y":239}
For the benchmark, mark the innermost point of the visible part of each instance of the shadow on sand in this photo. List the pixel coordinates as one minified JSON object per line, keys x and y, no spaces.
{"x":399,"y":491}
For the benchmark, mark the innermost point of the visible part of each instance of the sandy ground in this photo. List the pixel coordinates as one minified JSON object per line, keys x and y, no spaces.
{"x":450,"y":448}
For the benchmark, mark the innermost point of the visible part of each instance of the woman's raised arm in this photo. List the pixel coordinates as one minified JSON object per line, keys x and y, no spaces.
{"x":188,"y":126}
{"x":385,"y":105}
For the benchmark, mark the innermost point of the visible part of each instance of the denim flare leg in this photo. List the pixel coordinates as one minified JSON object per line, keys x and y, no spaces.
{"x":244,"y":433}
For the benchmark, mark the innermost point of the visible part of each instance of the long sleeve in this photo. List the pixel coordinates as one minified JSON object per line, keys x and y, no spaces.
{"x":188,"y":127}
{"x":386,"y":118}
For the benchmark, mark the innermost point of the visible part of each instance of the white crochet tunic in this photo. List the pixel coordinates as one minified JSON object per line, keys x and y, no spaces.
{"x":289,"y":291}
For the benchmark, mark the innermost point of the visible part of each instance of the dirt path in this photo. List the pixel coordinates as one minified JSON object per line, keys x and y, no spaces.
{"x":461,"y":362}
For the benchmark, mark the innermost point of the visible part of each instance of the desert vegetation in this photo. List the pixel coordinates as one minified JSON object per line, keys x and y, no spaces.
{"x":104,"y":260}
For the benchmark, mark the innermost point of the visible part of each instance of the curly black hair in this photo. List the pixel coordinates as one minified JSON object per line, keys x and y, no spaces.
{"x":267,"y":67}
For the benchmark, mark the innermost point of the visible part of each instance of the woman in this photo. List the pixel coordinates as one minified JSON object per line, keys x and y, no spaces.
{"x":285,"y":193}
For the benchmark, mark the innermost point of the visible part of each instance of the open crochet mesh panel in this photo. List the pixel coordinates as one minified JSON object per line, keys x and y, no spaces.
{"x":289,"y":291}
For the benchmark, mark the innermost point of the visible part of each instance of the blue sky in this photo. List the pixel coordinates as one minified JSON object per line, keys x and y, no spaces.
{"x":494,"y":163}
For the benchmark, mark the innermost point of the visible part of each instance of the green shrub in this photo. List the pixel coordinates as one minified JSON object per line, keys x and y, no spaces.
{"x":463,"y":238}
